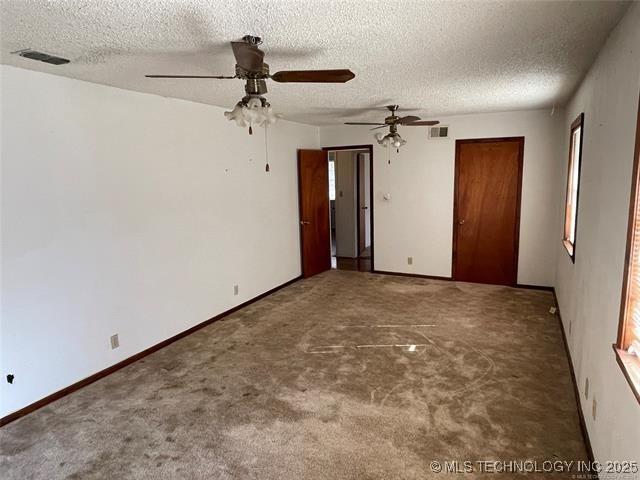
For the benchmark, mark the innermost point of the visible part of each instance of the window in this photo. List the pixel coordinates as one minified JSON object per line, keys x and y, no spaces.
{"x":573,"y":184}
{"x":628,"y":346}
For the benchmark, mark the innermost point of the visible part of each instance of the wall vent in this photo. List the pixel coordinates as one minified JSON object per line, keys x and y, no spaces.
{"x":41,"y":57}
{"x":441,"y":131}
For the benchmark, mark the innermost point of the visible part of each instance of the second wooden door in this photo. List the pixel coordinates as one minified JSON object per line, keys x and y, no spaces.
{"x":487,"y":210}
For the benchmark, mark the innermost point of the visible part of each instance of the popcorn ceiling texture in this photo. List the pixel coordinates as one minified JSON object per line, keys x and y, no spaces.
{"x":436,"y":57}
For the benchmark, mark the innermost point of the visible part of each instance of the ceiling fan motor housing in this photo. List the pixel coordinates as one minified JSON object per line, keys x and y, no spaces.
{"x":255,"y":86}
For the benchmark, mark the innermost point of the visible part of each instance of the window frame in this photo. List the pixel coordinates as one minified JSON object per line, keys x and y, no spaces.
{"x":630,"y":364}
{"x":570,"y":246}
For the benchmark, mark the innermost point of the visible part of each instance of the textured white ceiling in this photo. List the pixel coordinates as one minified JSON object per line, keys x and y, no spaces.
{"x":438,"y":57}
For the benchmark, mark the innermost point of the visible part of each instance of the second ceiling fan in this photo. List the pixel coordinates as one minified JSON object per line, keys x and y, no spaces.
{"x":393,"y":138}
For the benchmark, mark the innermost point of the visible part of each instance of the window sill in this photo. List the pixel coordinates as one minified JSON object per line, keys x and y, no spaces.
{"x":630,"y":365}
{"x":568,"y":246}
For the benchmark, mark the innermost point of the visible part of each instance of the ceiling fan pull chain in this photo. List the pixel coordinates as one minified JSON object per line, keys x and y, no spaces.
{"x":266,"y":149}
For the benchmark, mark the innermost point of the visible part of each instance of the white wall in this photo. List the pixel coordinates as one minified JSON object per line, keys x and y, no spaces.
{"x":589,"y":292}
{"x":129,"y":213}
{"x":346,"y":205}
{"x":417,"y":221}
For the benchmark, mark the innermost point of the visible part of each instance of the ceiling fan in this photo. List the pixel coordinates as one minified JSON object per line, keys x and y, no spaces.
{"x":250,"y":67}
{"x":392,"y":121}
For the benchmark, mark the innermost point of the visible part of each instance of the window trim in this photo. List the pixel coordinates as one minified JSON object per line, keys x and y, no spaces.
{"x":630,"y":364}
{"x":568,"y":245}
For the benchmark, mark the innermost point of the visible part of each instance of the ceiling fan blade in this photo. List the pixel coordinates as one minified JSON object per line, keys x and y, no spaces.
{"x":424,"y":123}
{"x":381,"y":126}
{"x":248,"y":57}
{"x":187,"y":76}
{"x":407,"y":119}
{"x":363,"y":123}
{"x":318,"y":76}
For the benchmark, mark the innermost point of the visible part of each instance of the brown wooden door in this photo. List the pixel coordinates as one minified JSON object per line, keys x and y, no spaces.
{"x":362,"y":204}
{"x":487,"y":210}
{"x":313,"y":182}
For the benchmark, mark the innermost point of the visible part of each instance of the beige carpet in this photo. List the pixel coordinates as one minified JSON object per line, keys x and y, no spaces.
{"x":343,"y":376}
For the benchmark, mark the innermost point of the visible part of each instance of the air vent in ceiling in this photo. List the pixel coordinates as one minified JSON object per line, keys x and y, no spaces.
{"x":441,"y":131}
{"x":42,"y":57}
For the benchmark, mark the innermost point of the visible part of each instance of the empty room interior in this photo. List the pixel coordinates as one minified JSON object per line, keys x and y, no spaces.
{"x":319,"y":239}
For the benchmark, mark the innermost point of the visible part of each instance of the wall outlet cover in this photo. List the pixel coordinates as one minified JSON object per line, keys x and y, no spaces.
{"x":236,"y":289}
{"x":115,"y":341}
{"x":409,"y":260}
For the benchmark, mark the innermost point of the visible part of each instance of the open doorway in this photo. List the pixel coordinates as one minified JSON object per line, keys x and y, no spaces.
{"x":351,"y":207}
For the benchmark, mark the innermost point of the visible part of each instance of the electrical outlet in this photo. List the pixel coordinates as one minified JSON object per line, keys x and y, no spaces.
{"x":586,"y":387}
{"x":593,"y":408}
{"x":409,"y":260}
{"x":552,"y":310}
{"x":236,"y":289}
{"x":115,"y":341}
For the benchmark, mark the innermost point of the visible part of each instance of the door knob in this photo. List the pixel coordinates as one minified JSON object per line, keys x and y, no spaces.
{"x":461,"y":222}
{"x":364,"y":208}
{"x":305,"y":223}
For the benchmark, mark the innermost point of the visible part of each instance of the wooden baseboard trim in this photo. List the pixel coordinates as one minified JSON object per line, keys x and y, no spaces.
{"x":128,"y":361}
{"x":412,"y":275}
{"x":534,"y":287}
{"x":450,"y":279}
{"x":576,"y":389}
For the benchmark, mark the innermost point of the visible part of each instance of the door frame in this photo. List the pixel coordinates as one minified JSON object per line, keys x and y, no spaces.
{"x":369,"y":148}
{"x":516,"y":249}
{"x":359,"y":189}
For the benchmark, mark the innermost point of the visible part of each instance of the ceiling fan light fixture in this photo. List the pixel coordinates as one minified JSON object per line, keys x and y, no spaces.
{"x":253,"y":110}
{"x":391,"y":139}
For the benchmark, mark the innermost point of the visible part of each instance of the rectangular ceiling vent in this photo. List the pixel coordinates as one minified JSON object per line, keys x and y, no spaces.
{"x":41,"y":57}
{"x":441,"y":131}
